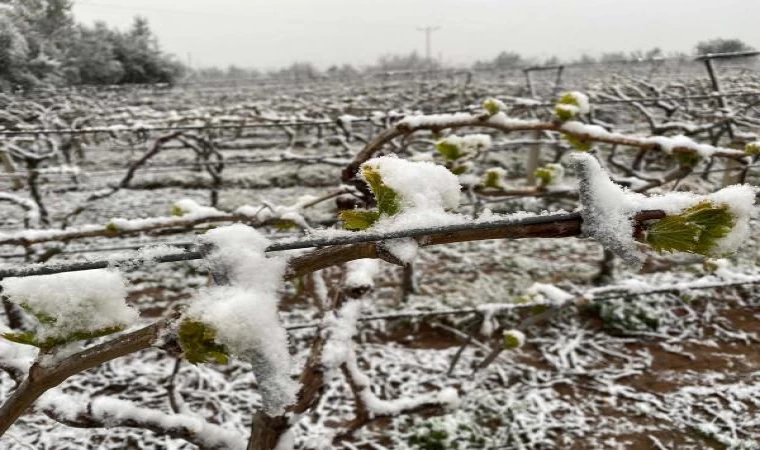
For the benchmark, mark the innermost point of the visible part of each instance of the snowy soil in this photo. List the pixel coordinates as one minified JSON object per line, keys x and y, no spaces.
{"x":582,"y":382}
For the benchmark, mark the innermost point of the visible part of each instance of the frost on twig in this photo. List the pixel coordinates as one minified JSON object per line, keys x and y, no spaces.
{"x":241,"y":312}
{"x":31,"y":210}
{"x":340,"y":352}
{"x":111,"y":413}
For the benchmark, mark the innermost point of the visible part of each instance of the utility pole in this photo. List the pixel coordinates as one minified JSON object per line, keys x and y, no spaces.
{"x":428,"y":50}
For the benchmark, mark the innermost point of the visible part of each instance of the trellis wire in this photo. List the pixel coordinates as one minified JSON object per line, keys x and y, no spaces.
{"x":499,"y":307}
{"x":291,"y":244}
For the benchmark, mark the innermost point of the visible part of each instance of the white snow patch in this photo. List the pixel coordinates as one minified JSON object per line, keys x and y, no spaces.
{"x":361,"y":273}
{"x":244,"y":313}
{"x":83,"y":301}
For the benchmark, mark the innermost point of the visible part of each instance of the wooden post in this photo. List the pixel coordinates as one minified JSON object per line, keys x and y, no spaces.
{"x":534,"y":154}
{"x":732,"y":174}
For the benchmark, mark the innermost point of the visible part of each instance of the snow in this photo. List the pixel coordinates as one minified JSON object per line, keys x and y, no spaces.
{"x":460,"y":119}
{"x":667,"y":144}
{"x":594,"y":131}
{"x":581,"y":100}
{"x":361,"y":273}
{"x":607,"y":209}
{"x":740,"y":200}
{"x":469,"y":144}
{"x":433,"y":120}
{"x":339,"y":351}
{"x":447,"y":397}
{"x":18,"y":357}
{"x":269,"y":211}
{"x":339,"y":328}
{"x":32,"y":212}
{"x":244,"y":313}
{"x":550,"y":292}
{"x":78,"y":301}
{"x":192,"y":208}
{"x":287,"y":440}
{"x":420,"y":184}
{"x":143,"y":257}
{"x":404,"y":249}
{"x":116,"y":412}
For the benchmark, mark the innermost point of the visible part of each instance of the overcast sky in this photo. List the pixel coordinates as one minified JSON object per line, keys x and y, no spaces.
{"x":274,"y":33}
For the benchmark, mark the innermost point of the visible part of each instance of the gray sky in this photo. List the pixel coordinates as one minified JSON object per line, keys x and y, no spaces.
{"x":274,"y":33}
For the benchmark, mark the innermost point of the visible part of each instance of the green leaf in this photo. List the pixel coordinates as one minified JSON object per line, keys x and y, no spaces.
{"x":358,"y":219}
{"x":284,"y":225}
{"x":460,"y":169}
{"x":85,"y":335}
{"x":696,"y":230}
{"x":493,"y":179}
{"x":544,"y":175}
{"x":513,"y":339}
{"x":26,"y":338}
{"x":690,"y":159}
{"x":578,"y":144}
{"x":45,"y":319}
{"x":112,"y":227}
{"x":549,"y":174}
{"x":716,"y":221}
{"x":673,"y":233}
{"x":177,"y":211}
{"x":753,"y":148}
{"x":492,"y":106}
{"x":198,"y":343}
{"x":388,"y":202}
{"x":564,"y":114}
{"x":448,"y":150}
{"x":29,"y":338}
{"x":568,"y":99}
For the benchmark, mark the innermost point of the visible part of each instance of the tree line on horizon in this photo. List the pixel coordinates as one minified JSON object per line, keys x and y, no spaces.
{"x":505,"y":60}
{"x":41,"y":44}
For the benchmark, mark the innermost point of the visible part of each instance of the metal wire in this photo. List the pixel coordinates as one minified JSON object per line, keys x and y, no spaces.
{"x":346,"y":238}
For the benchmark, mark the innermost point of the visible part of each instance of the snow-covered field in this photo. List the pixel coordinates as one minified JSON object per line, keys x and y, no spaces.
{"x":606,"y":364}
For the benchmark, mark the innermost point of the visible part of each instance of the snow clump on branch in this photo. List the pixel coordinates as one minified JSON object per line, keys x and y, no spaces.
{"x":572,"y":104}
{"x":243,"y":311}
{"x":710,"y":225}
{"x":73,"y":303}
{"x":421,"y":185}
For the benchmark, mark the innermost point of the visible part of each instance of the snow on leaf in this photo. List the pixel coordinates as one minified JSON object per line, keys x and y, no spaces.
{"x":73,"y":306}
